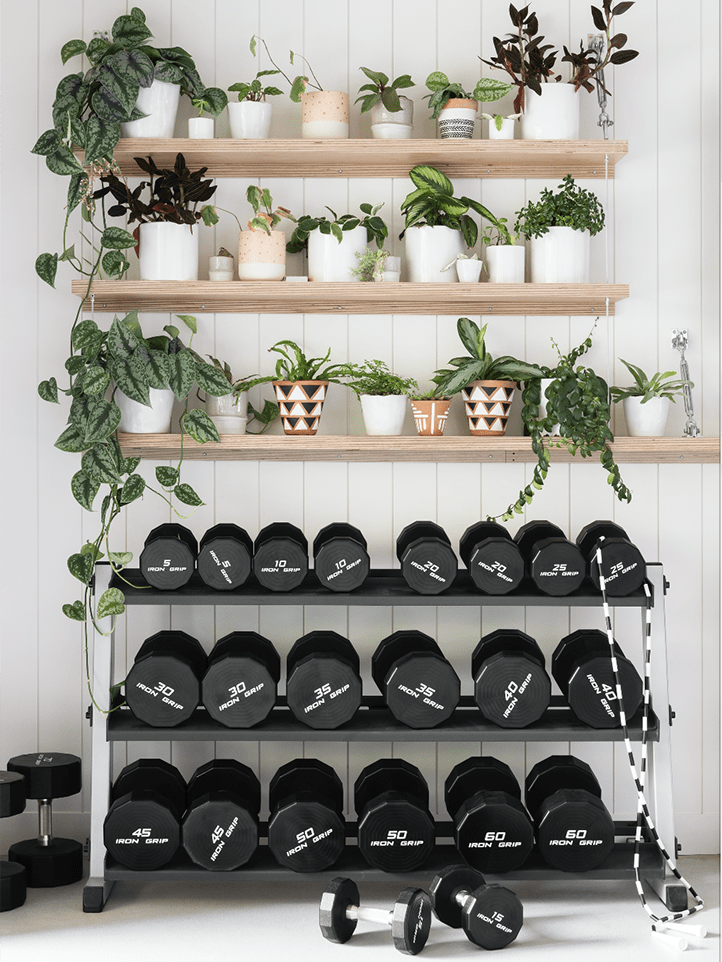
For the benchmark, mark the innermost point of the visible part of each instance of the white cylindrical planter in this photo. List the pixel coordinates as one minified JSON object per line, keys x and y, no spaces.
{"x":391,"y":272}
{"x":160,"y":104}
{"x":329,"y":260}
{"x":392,"y":125}
{"x":383,"y":413}
{"x":136,"y":418}
{"x":468,"y":271}
{"x":168,"y":252}
{"x":505,"y":133}
{"x":646,"y":420}
{"x":561,"y":256}
{"x":200,"y":128}
{"x":324,"y":115}
{"x":552,"y":116}
{"x":220,"y":268}
{"x":250,"y":119}
{"x":457,"y":118}
{"x":505,"y":264}
{"x":261,"y":257}
{"x":429,"y":249}
{"x":228,"y":413}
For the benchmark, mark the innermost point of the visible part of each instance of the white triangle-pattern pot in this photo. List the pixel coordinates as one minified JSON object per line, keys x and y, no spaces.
{"x":301,"y":403}
{"x":487,"y":405}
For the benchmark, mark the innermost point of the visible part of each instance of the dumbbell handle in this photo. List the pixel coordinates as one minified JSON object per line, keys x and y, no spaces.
{"x":462,"y":897}
{"x":379,"y":916}
{"x":45,"y":822}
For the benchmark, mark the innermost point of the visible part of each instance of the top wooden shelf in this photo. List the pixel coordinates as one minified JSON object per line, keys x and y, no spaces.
{"x":378,"y":158}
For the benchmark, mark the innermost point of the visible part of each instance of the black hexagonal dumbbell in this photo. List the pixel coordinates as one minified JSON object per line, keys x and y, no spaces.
{"x":225,"y":557}
{"x":428,"y":562}
{"x":280,"y":556}
{"x":623,"y":565}
{"x":163,"y":688}
{"x":240,"y":684}
{"x":340,"y":911}
{"x":323,"y":685}
{"x":555,"y":565}
{"x":395,"y":827}
{"x":493,"y":831}
{"x":495,"y":563}
{"x":13,"y":877}
{"x":48,"y":861}
{"x":142,"y":827}
{"x":574,"y":830}
{"x":169,"y":557}
{"x":220,"y":826}
{"x":490,"y":915}
{"x":306,"y":828}
{"x":511,"y":686}
{"x":419,"y":685}
{"x":340,"y":559}
{"x":582,"y":667}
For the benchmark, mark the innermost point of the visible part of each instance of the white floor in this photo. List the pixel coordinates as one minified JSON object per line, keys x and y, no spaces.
{"x":156,"y":922}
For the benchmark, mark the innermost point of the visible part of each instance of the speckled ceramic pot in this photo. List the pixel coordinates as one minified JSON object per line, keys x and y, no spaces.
{"x":261,"y":257}
{"x":324,"y":115}
{"x":487,"y":406}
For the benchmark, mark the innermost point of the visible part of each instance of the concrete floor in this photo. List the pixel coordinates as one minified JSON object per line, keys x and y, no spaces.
{"x":271,"y":922}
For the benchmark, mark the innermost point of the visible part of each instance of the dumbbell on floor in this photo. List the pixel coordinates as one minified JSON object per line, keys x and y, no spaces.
{"x":142,"y":828}
{"x":428,"y":563}
{"x":623,"y":565}
{"x":225,"y":557}
{"x":395,"y":828}
{"x":280,"y":556}
{"x":240,"y":683}
{"x":493,"y":831}
{"x":13,"y":877}
{"x":48,"y":861}
{"x":495,"y":563}
{"x":168,"y":558}
{"x":490,"y":915}
{"x":574,"y":830}
{"x":410,"y":919}
{"x":511,"y":686}
{"x":555,"y":565}
{"x":340,"y":559}
{"x":323,"y":684}
{"x":163,"y":688}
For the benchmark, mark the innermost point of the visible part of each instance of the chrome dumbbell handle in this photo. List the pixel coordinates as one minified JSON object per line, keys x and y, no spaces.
{"x":379,"y":916}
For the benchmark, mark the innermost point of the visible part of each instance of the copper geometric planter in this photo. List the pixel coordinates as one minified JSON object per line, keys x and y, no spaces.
{"x":487,"y":405}
{"x":301,"y":403}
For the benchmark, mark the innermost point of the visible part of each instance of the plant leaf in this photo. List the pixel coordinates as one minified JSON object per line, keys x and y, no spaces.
{"x":71,"y":440}
{"x":84,"y":489}
{"x":211,"y":380}
{"x":71,"y":49}
{"x":158,"y":368}
{"x":182,"y":373}
{"x":111,"y":602}
{"x":424,"y":176}
{"x":469,"y":333}
{"x":116,"y":238}
{"x":48,"y":390}
{"x":103,"y":420}
{"x":200,"y":427}
{"x":122,"y":342}
{"x":81,"y":567}
{"x":99,"y":465}
{"x":47,"y":143}
{"x":95,"y":380}
{"x":63,"y":161}
{"x":115,"y":263}
{"x":167,"y":477}
{"x":76,"y":611}
{"x":46,"y":267}
{"x":101,"y":137}
{"x":120,"y":559}
{"x":186,"y":494}
{"x":132,"y":489}
{"x":189,"y":321}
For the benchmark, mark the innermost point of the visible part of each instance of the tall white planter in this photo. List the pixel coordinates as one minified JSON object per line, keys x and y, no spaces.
{"x":383,"y":413}
{"x":160,"y":103}
{"x":553,"y":115}
{"x":561,"y":256}
{"x":168,"y":252}
{"x":250,"y":119}
{"x":646,"y":420}
{"x":429,"y":249}
{"x":329,"y":260}
{"x":505,"y":264}
{"x":136,"y":418}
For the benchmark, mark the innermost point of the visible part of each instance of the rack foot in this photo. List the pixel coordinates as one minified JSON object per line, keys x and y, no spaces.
{"x":670,"y":891}
{"x":95,"y":894}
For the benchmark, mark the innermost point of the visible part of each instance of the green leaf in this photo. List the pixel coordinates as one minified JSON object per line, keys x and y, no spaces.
{"x":132,"y":489}
{"x":132,"y":66}
{"x":469,"y":333}
{"x":106,"y":105}
{"x":84,"y":489}
{"x":186,"y":494}
{"x":130,"y":31}
{"x":81,"y":567}
{"x":117,"y":239}
{"x":71,"y":49}
{"x":297,"y":88}
{"x":48,"y":390}
{"x":130,"y":465}
{"x":189,"y":321}
{"x":87,"y":336}
{"x":95,"y":380}
{"x":437,"y":80}
{"x":46,"y":267}
{"x":47,"y":143}
{"x":200,"y":427}
{"x":75,"y":364}
{"x":76,"y":611}
{"x":158,"y":368}
{"x":103,"y":420}
{"x":115,"y":263}
{"x":489,"y":89}
{"x":122,"y":342}
{"x":133,"y":324}
{"x":120,"y":559}
{"x":137,"y":14}
{"x":99,"y":466}
{"x":167,"y":477}
{"x":132,"y":378}
{"x":169,"y":73}
{"x":182,"y":373}
{"x":111,"y":602}
{"x":209,"y":215}
{"x":216,"y":100}
{"x":211,"y":380}
{"x":101,"y":137}
{"x":123,"y":87}
{"x":72,"y":440}
{"x":424,"y":176}
{"x":378,"y":78}
{"x":171,"y":330}
{"x":63,"y":161}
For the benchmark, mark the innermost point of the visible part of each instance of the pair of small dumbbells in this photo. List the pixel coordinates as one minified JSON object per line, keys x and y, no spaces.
{"x":490,"y":915}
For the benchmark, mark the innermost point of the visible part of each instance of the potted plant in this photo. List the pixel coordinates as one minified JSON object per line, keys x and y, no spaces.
{"x":550,"y":109}
{"x":646,"y":401}
{"x":468,"y":268}
{"x":454,"y":108}
{"x":501,"y":127}
{"x":559,"y":226}
{"x":300,"y":384}
{"x":377,"y":265}
{"x":261,"y":249}
{"x":503,"y":257}
{"x":431,"y":411}
{"x":392,"y":115}
{"x":212,"y":101}
{"x":487,"y":383}
{"x":383,"y":396}
{"x":221,"y":266}
{"x":168,"y":244}
{"x":231,"y":413}
{"x":332,"y":245}
{"x":250,"y":115}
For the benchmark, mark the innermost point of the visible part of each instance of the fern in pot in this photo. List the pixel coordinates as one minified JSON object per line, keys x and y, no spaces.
{"x":383,"y":396}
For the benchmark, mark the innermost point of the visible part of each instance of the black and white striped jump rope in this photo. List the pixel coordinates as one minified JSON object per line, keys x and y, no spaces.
{"x":643,"y":813}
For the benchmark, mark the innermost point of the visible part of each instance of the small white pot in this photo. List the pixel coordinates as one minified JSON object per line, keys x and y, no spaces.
{"x":552,"y":116}
{"x":160,"y":104}
{"x":468,"y":271}
{"x":168,"y":252}
{"x":392,"y":271}
{"x":249,"y":119}
{"x":506,"y":132}
{"x":392,"y":125}
{"x":221,"y":268}
{"x":230,"y":425}
{"x":646,"y":420}
{"x":505,"y":264}
{"x":456,"y":120}
{"x":324,"y":115}
{"x":329,"y":260}
{"x":429,"y":249}
{"x":227,"y":406}
{"x":545,"y":382}
{"x":383,"y":413}
{"x":136,"y":418}
{"x":261,"y":257}
{"x":201,"y":128}
{"x":561,"y":256}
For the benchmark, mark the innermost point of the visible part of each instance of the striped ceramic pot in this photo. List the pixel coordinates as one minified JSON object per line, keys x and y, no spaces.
{"x":430,"y":416}
{"x":301,"y":403}
{"x":487,"y":405}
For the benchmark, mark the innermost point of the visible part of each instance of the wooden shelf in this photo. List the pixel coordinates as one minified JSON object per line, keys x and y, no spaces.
{"x":268,"y":297}
{"x":378,"y":158}
{"x":447,"y":449}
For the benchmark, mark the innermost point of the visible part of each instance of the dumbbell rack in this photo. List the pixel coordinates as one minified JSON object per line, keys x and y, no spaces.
{"x":374,"y":723}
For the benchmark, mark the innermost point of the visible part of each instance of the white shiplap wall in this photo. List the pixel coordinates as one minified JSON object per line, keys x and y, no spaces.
{"x":663,"y":241}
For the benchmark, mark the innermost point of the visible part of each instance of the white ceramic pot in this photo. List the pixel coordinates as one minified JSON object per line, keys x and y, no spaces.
{"x":136,"y":418}
{"x":553,"y":115}
{"x":261,"y":257}
{"x":329,"y":260}
{"x":505,"y":133}
{"x":457,"y":118}
{"x":230,"y":425}
{"x":429,"y":249}
{"x":546,"y":381}
{"x":324,"y":115}
{"x":391,"y":272}
{"x":561,"y":256}
{"x":228,"y":413}
{"x":168,"y":252}
{"x":201,"y":128}
{"x":221,"y":268}
{"x":505,"y":264}
{"x":383,"y":413}
{"x":160,"y":104}
{"x":392,"y":125}
{"x":646,"y":420}
{"x":249,"y":119}
{"x":468,"y":271}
